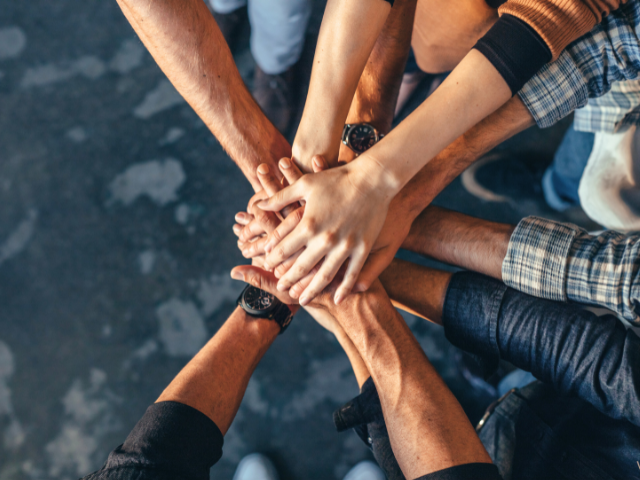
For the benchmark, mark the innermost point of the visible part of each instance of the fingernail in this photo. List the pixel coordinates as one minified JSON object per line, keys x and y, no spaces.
{"x":285,"y":164}
{"x":239,"y":217}
{"x":303,"y":300}
{"x":236,"y":275}
{"x":268,"y":247}
{"x":282,"y":287}
{"x":245,"y":253}
{"x":261,"y":204}
{"x":337,"y":298}
{"x":263,"y":169}
{"x":237,"y":229}
{"x":277,"y":273}
{"x":293,"y":293}
{"x":317,"y":162}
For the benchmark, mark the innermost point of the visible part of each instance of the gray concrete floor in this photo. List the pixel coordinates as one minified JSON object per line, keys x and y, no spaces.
{"x":116,"y":207}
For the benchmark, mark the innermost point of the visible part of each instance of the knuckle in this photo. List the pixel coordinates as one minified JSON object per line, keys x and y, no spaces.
{"x":280,"y":252}
{"x":300,"y":269}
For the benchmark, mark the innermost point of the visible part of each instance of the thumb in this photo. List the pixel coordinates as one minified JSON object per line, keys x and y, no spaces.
{"x":283,"y":198}
{"x":373,"y":267}
{"x":263,"y":280}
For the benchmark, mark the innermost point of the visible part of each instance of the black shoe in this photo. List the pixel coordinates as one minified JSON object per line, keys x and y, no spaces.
{"x":505,"y":176}
{"x":274,"y":95}
{"x":230,"y":24}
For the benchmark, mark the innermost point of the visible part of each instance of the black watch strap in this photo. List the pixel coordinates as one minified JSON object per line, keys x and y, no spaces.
{"x":281,"y":314}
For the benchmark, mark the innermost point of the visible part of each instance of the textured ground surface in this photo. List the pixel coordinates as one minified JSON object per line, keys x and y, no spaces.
{"x":116,"y":206}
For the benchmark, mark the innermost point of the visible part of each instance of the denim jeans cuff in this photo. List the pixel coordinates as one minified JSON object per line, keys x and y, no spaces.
{"x":470,"y":315}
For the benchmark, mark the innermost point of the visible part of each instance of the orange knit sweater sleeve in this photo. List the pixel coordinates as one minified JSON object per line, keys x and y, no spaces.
{"x":560,"y":22}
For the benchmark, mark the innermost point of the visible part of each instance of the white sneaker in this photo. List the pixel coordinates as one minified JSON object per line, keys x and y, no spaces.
{"x":255,"y":467}
{"x":365,"y":470}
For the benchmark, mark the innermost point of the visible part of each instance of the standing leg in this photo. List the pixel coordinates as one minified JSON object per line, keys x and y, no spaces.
{"x":277,"y":39}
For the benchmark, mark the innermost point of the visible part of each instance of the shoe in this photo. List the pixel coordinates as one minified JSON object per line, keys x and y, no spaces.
{"x":255,"y":467}
{"x":230,"y":24}
{"x":502,"y":177}
{"x":365,"y":470}
{"x":274,"y":95}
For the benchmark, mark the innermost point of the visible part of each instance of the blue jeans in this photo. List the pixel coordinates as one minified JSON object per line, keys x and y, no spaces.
{"x":277,"y":30}
{"x":581,"y":420}
{"x":562,"y":179}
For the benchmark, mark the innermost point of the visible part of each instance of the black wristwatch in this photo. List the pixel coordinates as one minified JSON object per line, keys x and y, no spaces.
{"x":261,"y":304}
{"x":360,"y":137}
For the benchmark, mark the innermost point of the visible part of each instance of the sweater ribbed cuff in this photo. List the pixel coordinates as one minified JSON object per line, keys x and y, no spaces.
{"x":515,"y":50}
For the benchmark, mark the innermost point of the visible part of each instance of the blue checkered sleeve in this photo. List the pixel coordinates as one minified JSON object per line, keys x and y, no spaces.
{"x":560,"y":261}
{"x":587,"y":68}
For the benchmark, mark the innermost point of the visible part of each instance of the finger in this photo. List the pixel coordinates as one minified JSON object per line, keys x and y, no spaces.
{"x":289,"y":246}
{"x":264,"y":223}
{"x":253,"y":249}
{"x":373,"y":267}
{"x":307,"y":260}
{"x":237,"y":229}
{"x":351,"y":275}
{"x":284,"y":197}
{"x":260,"y":279}
{"x":290,"y":170}
{"x":243,"y":218}
{"x":268,"y":180}
{"x":284,"y":229}
{"x":287,"y":264}
{"x":324,"y":276}
{"x":296,"y":290}
{"x":267,"y":220}
{"x":319,"y":163}
{"x":261,"y":195}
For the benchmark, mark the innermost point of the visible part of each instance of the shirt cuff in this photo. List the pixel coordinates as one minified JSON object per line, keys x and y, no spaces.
{"x":537,"y":258}
{"x":173,"y":438}
{"x":555,"y":91}
{"x":515,"y":50}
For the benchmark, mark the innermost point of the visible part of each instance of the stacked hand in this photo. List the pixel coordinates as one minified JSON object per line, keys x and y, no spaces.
{"x":295,"y":249}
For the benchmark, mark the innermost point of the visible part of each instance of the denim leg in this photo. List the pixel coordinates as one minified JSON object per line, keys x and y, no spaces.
{"x":277,"y":32}
{"x":226,"y":6}
{"x":562,"y":179}
{"x":516,"y":379}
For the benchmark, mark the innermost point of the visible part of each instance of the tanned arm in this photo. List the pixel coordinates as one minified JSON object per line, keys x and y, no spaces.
{"x":458,"y":239}
{"x":187,"y":44}
{"x":375,"y":99}
{"x":427,"y":427}
{"x":215,"y":380}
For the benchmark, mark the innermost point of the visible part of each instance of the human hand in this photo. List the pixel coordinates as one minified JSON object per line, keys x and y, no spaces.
{"x":344,"y":228}
{"x":253,"y":225}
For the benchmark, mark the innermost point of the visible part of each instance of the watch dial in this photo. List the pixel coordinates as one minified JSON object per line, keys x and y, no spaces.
{"x":259,"y":300}
{"x":362,"y":138}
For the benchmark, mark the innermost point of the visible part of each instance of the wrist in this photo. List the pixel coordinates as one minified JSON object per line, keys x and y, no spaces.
{"x":256,"y":331}
{"x":372,"y":175}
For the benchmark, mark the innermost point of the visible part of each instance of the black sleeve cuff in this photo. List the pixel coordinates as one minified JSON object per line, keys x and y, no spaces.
{"x":468,"y":471}
{"x":172,"y":438}
{"x":515,"y":50}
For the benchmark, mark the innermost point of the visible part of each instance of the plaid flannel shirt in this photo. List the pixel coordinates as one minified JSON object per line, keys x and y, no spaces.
{"x":587,"y":69}
{"x":560,"y":261}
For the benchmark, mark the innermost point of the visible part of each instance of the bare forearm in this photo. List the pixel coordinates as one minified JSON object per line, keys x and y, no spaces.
{"x":434,"y":177}
{"x":458,"y":239}
{"x":427,"y":427}
{"x":416,"y":289}
{"x":215,"y":380}
{"x":375,"y":98}
{"x":348,"y":33}
{"x":185,"y":41}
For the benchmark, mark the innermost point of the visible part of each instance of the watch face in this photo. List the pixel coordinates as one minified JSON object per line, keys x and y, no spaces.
{"x":258,"y":300}
{"x":361,"y":137}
